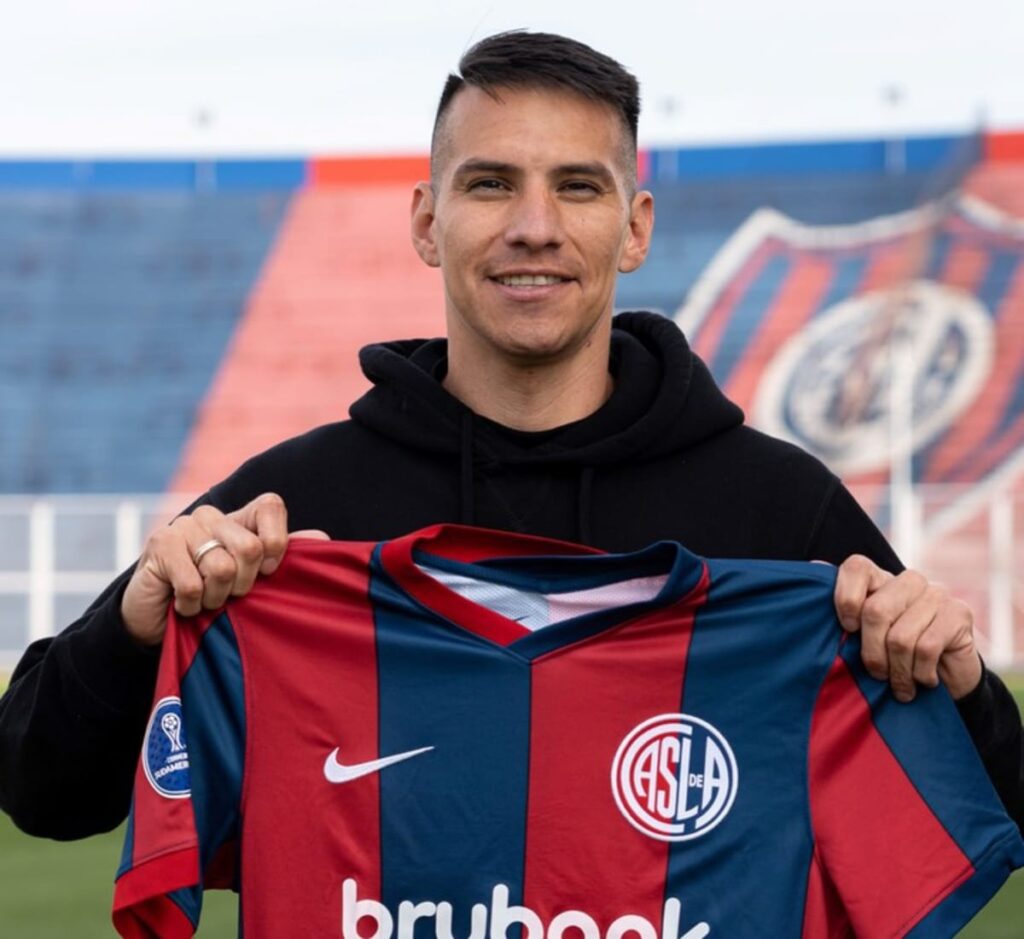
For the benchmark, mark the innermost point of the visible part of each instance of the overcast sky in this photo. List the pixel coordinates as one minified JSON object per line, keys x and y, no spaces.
{"x":308,"y":77}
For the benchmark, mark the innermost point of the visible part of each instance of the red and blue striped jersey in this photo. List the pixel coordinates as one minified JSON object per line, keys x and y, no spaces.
{"x":464,"y":734}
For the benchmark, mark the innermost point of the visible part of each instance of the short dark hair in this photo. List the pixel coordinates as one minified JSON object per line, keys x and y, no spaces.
{"x":521,"y":59}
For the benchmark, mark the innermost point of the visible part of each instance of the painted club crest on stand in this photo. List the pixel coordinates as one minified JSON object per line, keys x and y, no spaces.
{"x":895,"y":339}
{"x":165,"y":751}
{"x":832,"y":386}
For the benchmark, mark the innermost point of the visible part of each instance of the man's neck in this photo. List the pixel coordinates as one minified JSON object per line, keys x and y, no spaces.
{"x":531,"y":397}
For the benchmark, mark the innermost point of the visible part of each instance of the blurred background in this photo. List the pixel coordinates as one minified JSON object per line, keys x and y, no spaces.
{"x":203,"y":216}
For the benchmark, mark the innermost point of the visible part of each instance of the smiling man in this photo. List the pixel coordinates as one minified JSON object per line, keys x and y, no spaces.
{"x":531,"y":213}
{"x":539,"y":413}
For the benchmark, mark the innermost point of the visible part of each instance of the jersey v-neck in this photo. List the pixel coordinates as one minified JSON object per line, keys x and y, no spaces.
{"x":537,"y":566}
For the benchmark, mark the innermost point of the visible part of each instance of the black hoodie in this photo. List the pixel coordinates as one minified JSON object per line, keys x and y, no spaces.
{"x":666,"y":457}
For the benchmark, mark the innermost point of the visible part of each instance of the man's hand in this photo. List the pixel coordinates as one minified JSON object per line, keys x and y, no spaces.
{"x":201,"y":559}
{"x":911,"y":629}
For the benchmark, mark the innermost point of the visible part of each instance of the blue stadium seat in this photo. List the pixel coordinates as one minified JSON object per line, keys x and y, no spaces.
{"x":115,"y":310}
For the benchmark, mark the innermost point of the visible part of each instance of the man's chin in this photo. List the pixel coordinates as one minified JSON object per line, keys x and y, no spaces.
{"x":538,"y":350}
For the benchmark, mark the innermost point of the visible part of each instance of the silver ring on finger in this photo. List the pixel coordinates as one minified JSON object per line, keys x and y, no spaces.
{"x":205,"y":548}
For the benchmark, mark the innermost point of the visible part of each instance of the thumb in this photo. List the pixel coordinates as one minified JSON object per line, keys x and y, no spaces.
{"x":314,"y":534}
{"x":857,"y":578}
{"x":270,"y":565}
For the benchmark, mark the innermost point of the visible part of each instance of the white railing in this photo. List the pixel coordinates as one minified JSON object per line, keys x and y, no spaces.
{"x":57,"y":553}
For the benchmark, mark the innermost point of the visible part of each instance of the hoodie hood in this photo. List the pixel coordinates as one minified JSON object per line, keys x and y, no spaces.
{"x":664,"y":401}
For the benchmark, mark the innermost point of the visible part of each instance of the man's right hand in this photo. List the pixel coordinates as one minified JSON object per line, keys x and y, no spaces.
{"x":232,"y":550}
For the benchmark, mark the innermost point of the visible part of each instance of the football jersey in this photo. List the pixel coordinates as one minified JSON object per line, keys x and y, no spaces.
{"x":466,"y":734}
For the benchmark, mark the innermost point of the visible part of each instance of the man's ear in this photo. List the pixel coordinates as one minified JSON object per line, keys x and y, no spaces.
{"x":422,"y":224}
{"x":641,"y":226}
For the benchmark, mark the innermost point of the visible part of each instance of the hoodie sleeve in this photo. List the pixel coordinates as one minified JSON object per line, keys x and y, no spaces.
{"x":844,"y":528}
{"x":989,"y":712}
{"x":73,"y":715}
{"x":71,"y":723}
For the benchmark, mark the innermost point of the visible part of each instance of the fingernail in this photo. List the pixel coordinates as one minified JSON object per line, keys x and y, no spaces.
{"x":904,"y":697}
{"x":269,"y":566}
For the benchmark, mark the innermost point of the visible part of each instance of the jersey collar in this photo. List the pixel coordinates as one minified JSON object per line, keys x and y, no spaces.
{"x":538,"y":564}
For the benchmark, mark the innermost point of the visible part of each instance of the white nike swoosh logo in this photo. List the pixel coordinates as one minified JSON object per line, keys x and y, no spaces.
{"x":340,"y":773}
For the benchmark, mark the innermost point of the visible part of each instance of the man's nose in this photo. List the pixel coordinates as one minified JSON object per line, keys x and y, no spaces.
{"x":534,"y":220}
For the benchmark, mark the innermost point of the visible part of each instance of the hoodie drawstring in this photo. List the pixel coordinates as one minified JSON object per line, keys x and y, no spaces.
{"x":583,"y":505}
{"x":467,"y":489}
{"x":466,"y":508}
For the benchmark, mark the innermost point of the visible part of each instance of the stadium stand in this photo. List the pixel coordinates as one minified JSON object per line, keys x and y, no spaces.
{"x":342,"y":274}
{"x":115,"y":308}
{"x":144,"y":300}
{"x":162,"y":320}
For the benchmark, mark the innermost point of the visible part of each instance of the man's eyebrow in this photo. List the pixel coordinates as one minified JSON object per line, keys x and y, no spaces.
{"x":476,"y":165}
{"x":595,"y":169}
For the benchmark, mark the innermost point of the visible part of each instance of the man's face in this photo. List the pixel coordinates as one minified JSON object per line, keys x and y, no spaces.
{"x":529,"y":217}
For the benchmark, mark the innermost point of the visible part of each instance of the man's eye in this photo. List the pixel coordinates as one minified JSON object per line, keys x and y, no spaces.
{"x":487,"y":185}
{"x":581,"y":187}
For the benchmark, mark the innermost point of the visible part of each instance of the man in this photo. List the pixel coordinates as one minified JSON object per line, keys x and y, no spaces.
{"x":538,"y":414}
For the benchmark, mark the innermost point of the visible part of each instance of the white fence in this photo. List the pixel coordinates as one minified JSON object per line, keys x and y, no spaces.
{"x":57,"y":553}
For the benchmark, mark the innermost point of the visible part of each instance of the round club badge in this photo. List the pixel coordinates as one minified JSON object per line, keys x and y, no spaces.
{"x":925,"y":349}
{"x":165,"y":752}
{"x":674,"y":777}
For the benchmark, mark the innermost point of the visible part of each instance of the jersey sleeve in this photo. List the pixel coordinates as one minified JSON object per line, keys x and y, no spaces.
{"x":184,"y":823}
{"x":910,"y":837}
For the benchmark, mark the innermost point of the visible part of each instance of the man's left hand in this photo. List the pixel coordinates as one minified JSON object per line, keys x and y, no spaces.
{"x":912,"y":630}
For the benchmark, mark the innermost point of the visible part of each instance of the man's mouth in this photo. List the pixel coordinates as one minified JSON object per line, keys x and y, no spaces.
{"x":530,"y":280}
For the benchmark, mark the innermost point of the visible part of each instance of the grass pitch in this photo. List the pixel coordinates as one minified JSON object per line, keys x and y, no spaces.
{"x":1003,"y":918}
{"x":55,"y":891}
